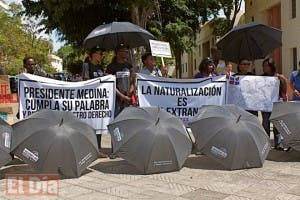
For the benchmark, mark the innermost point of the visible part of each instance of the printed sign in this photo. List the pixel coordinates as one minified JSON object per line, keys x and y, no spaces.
{"x":92,"y":100}
{"x":159,"y":48}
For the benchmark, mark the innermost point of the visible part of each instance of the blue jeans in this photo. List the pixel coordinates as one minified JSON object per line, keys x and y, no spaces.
{"x":266,"y":125}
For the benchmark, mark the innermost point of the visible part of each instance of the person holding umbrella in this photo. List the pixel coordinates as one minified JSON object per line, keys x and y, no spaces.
{"x":295,"y":84}
{"x":93,"y":69}
{"x":125,"y":79}
{"x":269,"y":69}
{"x":121,"y":68}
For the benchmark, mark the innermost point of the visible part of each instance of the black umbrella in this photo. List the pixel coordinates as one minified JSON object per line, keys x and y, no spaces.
{"x":5,"y":142}
{"x":231,"y":136}
{"x":151,"y":139}
{"x":108,"y":36}
{"x":252,"y":41}
{"x":285,"y":117}
{"x":55,"y":141}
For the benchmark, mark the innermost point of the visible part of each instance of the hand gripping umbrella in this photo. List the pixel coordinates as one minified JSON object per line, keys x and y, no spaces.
{"x":151,"y":139}
{"x":108,"y":36}
{"x":285,"y":117}
{"x":231,"y":136}
{"x":5,"y":142}
{"x":55,"y":141}
{"x":252,"y":41}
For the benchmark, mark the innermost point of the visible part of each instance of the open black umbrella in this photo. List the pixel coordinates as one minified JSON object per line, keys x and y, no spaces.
{"x":55,"y":141}
{"x":5,"y":142}
{"x":231,"y":136}
{"x":285,"y":117}
{"x":252,"y":41}
{"x":151,"y":139}
{"x":108,"y":36}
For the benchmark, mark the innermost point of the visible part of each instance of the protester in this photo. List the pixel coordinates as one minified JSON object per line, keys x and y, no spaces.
{"x":125,"y":89}
{"x":228,"y":69}
{"x":269,"y":69}
{"x":164,"y":71}
{"x":92,"y":68}
{"x":149,"y":66}
{"x":206,"y":68}
{"x":295,"y":84}
{"x":243,"y":70}
{"x":30,"y":67}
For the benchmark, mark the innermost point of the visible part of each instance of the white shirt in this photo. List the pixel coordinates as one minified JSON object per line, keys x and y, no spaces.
{"x":155,"y":72}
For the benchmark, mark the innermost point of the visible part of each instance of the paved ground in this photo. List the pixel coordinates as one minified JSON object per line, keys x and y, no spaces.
{"x":200,"y":179}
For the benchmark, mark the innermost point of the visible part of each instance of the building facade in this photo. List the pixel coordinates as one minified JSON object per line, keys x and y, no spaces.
{"x":285,"y":15}
{"x":56,"y":62}
{"x":3,"y":5}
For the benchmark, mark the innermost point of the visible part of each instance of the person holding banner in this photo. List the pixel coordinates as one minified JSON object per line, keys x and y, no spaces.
{"x":122,"y":69}
{"x":31,"y":67}
{"x":243,"y":70}
{"x":269,"y":69}
{"x":149,"y":66}
{"x":93,"y":68}
{"x":206,"y":68}
{"x":90,"y":70}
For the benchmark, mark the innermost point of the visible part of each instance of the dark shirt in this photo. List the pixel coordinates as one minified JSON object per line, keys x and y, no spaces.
{"x":115,"y":67}
{"x":239,"y":74}
{"x":90,"y":71}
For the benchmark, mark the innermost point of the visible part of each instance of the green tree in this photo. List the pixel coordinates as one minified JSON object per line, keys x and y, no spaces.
{"x":14,"y":45}
{"x":230,"y":9}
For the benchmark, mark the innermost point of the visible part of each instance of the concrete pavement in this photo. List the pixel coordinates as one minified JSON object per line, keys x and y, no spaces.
{"x":200,"y":178}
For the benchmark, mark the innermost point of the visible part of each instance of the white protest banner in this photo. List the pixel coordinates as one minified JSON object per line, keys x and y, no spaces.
{"x":180,"y":97}
{"x":253,"y":92}
{"x":159,"y":48}
{"x":92,"y":101}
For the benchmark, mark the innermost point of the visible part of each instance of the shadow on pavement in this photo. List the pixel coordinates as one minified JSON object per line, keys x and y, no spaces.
{"x":117,"y":166}
{"x":283,"y":156}
{"x":202,"y":162}
{"x":17,"y":166}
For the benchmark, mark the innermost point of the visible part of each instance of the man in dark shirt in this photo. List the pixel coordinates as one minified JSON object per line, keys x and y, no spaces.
{"x":123,"y":70}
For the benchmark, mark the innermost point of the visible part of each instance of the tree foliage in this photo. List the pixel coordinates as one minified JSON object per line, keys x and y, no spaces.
{"x":175,"y":21}
{"x":16,"y":41}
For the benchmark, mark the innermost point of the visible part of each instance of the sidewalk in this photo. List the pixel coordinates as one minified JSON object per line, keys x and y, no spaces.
{"x":199,"y":179}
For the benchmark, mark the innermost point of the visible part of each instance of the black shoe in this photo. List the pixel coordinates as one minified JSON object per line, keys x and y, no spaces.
{"x":288,"y":149}
{"x":112,"y":156}
{"x":279,"y":148}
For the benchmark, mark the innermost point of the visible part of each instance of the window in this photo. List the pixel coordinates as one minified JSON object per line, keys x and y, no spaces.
{"x":195,"y":66}
{"x":185,"y":67}
{"x":252,"y":19}
{"x":293,"y":9}
{"x":294,"y":58}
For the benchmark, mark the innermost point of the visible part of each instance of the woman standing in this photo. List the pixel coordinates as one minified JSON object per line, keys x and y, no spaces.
{"x":269,"y":69}
{"x":206,"y":68}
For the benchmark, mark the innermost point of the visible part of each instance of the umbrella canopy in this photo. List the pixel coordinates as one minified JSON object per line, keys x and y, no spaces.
{"x":285,"y":117}
{"x":5,"y":142}
{"x":251,"y":41}
{"x":108,"y":36}
{"x":231,"y":136}
{"x":151,"y":139}
{"x":55,"y":141}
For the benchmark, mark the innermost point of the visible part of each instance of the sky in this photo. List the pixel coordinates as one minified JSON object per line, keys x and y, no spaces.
{"x":54,"y":37}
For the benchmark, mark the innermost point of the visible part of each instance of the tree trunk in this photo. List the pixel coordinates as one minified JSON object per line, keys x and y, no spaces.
{"x":178,"y":63}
